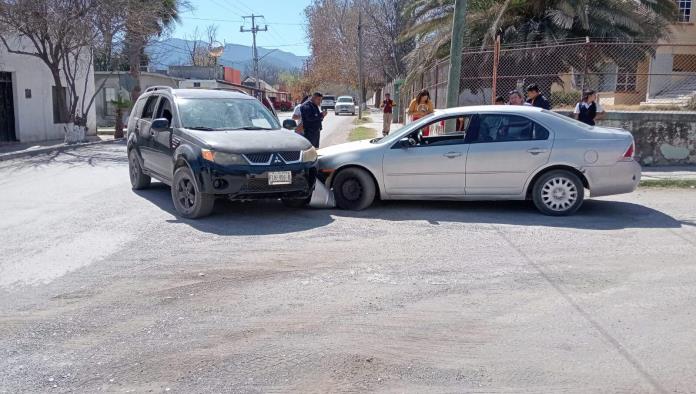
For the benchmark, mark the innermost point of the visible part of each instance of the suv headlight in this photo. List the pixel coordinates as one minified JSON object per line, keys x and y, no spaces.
{"x":224,"y":159}
{"x":309,"y":155}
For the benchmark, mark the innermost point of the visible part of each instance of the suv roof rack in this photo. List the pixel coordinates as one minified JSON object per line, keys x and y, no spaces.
{"x":156,"y":88}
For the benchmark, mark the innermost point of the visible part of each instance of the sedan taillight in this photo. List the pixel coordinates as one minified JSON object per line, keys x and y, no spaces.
{"x":628,"y":155}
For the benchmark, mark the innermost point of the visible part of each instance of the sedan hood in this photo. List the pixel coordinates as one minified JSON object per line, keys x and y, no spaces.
{"x":347,"y":147}
{"x":249,"y":141}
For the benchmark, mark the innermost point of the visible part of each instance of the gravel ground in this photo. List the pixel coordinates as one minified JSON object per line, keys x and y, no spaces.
{"x":105,"y":289}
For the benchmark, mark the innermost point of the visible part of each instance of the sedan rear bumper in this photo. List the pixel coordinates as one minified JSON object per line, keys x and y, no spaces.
{"x":622,"y":177}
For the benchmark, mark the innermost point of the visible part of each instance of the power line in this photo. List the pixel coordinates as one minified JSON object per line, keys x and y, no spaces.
{"x":254,"y":30}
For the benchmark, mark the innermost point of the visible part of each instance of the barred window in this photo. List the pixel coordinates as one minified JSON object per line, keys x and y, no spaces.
{"x":626,"y":79}
{"x":684,"y":10}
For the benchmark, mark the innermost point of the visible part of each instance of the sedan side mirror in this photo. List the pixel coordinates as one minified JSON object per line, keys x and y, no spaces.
{"x":407,"y":142}
{"x":289,"y":124}
{"x":161,"y":124}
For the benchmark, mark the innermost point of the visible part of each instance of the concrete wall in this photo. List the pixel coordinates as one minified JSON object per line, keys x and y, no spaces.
{"x":662,"y":137}
{"x":34,"y":116}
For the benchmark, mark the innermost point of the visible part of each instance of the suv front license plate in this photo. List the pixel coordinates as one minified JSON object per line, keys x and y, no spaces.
{"x":280,"y":178}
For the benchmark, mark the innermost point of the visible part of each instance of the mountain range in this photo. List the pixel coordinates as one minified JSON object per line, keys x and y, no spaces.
{"x":174,"y":52}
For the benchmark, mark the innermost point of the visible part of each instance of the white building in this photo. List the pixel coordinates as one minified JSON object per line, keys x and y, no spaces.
{"x":27,"y":111}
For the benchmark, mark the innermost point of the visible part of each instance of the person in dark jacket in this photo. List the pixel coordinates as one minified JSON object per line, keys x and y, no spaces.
{"x":588,"y":109}
{"x":535,"y":98}
{"x":312,"y":118}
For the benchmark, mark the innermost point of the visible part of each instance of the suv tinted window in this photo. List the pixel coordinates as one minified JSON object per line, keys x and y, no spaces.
{"x":149,"y":109}
{"x":499,"y":128}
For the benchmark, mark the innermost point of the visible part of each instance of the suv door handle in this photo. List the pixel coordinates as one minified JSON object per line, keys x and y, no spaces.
{"x":536,"y":151}
{"x":452,"y":155}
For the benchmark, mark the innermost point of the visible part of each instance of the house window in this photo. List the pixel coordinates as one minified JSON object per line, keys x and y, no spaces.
{"x":626,"y":79}
{"x":684,"y":10}
{"x":684,"y":63}
{"x":59,"y":97}
{"x":196,"y":84}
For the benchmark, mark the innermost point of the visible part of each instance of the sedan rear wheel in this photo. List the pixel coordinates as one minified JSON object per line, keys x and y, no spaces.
{"x":187,"y":197}
{"x":354,"y":189}
{"x":558,"y":193}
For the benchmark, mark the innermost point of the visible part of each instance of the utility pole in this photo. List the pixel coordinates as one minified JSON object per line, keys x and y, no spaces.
{"x":458,"y":26}
{"x":254,"y":29}
{"x":361,"y":84}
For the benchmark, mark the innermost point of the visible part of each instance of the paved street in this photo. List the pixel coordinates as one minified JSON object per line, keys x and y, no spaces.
{"x":105,"y":289}
{"x":336,"y":127}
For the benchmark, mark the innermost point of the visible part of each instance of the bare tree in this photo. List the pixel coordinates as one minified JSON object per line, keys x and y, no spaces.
{"x":59,"y":33}
{"x":198,"y":49}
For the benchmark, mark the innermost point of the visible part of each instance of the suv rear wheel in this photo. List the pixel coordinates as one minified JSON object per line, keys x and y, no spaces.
{"x":138,"y":179}
{"x":558,"y":193}
{"x":354,"y":189}
{"x":187,"y":197}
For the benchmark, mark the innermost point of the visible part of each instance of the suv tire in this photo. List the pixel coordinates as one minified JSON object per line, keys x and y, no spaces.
{"x":187,"y":197}
{"x":558,"y":193}
{"x":138,"y":179}
{"x":354,"y":189}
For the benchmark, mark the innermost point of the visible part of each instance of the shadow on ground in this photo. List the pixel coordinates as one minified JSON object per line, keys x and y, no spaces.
{"x":271,"y":217}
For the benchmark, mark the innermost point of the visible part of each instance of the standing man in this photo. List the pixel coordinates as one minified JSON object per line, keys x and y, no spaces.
{"x":535,"y":98}
{"x":297,"y":115}
{"x":312,"y":117}
{"x":387,"y":109}
{"x":515,"y":98}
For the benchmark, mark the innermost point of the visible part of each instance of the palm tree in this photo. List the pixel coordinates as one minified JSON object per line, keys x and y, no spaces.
{"x":533,"y":22}
{"x":147,"y":19}
{"x":121,"y":104}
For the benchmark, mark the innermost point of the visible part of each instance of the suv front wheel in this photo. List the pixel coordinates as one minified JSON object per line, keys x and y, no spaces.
{"x":189,"y":201}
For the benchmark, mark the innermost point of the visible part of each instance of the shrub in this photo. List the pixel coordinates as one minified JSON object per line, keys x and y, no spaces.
{"x":284,"y":105}
{"x":565,"y":99}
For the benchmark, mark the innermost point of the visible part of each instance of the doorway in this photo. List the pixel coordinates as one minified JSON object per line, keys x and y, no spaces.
{"x":7,"y":118}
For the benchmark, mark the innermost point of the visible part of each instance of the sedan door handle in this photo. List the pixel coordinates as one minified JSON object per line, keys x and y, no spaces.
{"x":452,"y":155}
{"x":536,"y":151}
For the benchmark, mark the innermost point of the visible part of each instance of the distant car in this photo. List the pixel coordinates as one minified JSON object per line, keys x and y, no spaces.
{"x":485,"y":153}
{"x":345,"y":105}
{"x":208,"y":144}
{"x":328,"y":102}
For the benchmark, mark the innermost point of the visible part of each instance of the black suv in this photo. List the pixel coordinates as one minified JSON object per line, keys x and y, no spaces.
{"x":210,"y":143}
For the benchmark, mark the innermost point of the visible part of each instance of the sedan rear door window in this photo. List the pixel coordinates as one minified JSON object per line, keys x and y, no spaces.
{"x":502,"y":128}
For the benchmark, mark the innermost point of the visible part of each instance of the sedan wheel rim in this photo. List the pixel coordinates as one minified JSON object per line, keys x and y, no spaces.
{"x":186,"y":193}
{"x":352,"y":190}
{"x":559,"y":194}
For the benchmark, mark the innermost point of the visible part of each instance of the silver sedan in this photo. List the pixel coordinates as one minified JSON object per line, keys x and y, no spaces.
{"x":485,"y":153}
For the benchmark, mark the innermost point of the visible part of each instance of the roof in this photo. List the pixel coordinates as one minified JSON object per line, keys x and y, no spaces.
{"x":145,"y":73}
{"x":209,"y":93}
{"x":491,"y":108}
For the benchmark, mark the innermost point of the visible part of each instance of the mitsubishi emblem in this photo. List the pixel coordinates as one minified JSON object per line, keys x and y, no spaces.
{"x":277,"y":160}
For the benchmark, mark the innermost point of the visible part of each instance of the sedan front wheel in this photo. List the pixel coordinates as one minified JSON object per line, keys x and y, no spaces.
{"x":354,"y":189}
{"x":558,"y":193}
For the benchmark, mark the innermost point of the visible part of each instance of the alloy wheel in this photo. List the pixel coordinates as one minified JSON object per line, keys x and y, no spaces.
{"x":186,"y":193}
{"x":352,"y":189}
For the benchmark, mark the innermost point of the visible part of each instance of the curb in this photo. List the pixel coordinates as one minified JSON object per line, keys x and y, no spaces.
{"x":55,"y":148}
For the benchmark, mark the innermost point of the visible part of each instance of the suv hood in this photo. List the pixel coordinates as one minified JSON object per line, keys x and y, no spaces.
{"x":249,"y":141}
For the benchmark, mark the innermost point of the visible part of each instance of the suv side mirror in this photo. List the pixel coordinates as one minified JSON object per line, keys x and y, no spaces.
{"x":289,"y":124}
{"x":161,"y":124}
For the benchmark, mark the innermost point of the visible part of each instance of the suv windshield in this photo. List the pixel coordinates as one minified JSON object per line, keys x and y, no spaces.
{"x":328,"y":98}
{"x":345,"y":100}
{"x":225,"y":114}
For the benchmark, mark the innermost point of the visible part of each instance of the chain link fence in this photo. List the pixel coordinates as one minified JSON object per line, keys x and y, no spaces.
{"x":625,"y":75}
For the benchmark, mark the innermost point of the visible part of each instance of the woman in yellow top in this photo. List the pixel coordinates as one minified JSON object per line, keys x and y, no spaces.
{"x":420,"y":107}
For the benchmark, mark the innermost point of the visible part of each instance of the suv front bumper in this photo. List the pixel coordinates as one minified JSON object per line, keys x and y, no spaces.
{"x":251,"y":182}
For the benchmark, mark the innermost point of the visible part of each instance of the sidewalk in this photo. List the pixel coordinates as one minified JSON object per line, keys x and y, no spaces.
{"x":376,"y":122}
{"x":18,"y":149}
{"x":669,"y":173}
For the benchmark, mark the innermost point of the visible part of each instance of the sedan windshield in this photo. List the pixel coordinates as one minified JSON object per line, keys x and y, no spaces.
{"x":225,"y":114}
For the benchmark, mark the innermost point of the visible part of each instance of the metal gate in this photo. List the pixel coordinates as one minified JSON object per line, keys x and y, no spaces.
{"x":7,"y":119}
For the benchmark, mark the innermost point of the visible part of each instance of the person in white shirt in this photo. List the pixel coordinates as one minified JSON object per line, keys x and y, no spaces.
{"x":297,"y":115}
{"x":588,"y":110}
{"x":516,"y":98}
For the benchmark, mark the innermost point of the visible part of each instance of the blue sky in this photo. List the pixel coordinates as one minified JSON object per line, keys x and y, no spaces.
{"x":285,"y":20}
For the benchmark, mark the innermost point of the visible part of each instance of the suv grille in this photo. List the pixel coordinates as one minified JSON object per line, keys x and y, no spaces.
{"x":259,"y":158}
{"x":260,"y":185}
{"x":263,"y":158}
{"x":290,"y":156}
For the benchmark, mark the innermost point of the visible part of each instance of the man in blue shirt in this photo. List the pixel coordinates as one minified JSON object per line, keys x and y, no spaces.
{"x":312,"y":117}
{"x":535,"y":98}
